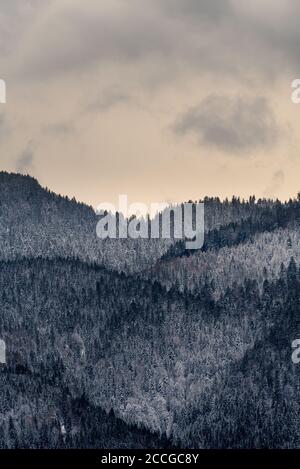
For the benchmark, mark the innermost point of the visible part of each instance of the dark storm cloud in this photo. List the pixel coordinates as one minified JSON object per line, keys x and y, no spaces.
{"x":234,"y":125}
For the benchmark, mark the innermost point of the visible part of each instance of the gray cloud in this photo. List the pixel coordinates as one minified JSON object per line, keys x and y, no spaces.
{"x":204,"y":9}
{"x":60,"y":129}
{"x":25,"y":160}
{"x":67,"y":61}
{"x":5,"y":126}
{"x":75,"y":36}
{"x":15,"y":17}
{"x":235,"y":125}
{"x":109,"y":98}
{"x":275,"y":185}
{"x":2,"y":122}
{"x":231,"y":36}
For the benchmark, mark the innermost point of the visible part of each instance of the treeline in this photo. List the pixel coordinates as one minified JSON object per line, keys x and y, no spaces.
{"x":259,"y":259}
{"x":262,"y":219}
{"x":36,"y":222}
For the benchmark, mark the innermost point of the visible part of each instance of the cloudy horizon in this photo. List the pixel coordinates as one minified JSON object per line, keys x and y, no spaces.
{"x":163,"y":100}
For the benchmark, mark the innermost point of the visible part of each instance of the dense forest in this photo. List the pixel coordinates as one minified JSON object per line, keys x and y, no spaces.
{"x":132,"y":343}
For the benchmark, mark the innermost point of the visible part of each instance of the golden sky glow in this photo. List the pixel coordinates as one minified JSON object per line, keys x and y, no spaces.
{"x":163,"y":100}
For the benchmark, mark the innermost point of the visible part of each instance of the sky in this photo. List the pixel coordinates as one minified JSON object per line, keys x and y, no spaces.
{"x":162,"y":100}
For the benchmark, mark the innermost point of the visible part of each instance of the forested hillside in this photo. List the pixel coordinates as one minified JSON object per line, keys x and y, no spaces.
{"x":260,"y":258}
{"x":39,"y":414}
{"x":36,"y":222}
{"x":160,"y":359}
{"x":121,"y":343}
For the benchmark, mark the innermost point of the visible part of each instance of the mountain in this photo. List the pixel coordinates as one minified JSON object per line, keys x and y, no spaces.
{"x":36,"y":222}
{"x":166,"y":349}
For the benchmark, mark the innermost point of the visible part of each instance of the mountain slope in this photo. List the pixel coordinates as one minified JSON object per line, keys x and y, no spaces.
{"x":129,"y":344}
{"x":188,"y":349}
{"x":36,"y":414}
{"x":259,"y":259}
{"x":36,"y":222}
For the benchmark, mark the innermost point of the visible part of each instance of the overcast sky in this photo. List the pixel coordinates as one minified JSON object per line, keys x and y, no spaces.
{"x":163,"y":100}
